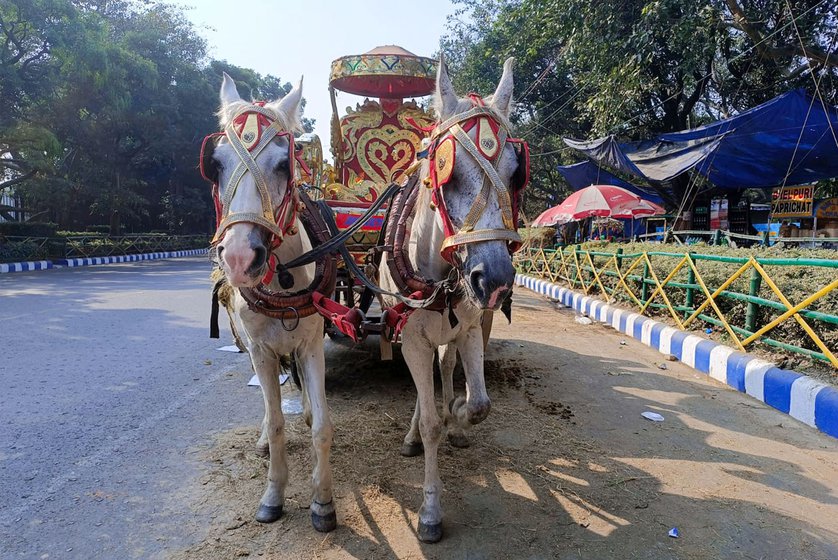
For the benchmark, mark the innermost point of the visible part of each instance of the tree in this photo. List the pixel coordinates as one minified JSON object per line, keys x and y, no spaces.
{"x":104,"y":107}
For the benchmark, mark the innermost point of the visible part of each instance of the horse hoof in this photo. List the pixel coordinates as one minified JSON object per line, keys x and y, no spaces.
{"x":324,"y":523}
{"x":458,"y":440}
{"x":268,"y":514}
{"x":412,"y":449}
{"x":263,"y":450}
{"x":430,"y":533}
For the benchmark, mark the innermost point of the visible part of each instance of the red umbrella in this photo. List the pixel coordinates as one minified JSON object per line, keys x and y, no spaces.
{"x":640,"y":209}
{"x":598,"y":200}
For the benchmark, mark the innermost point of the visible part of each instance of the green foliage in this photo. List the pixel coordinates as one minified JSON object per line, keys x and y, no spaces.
{"x":104,"y":106}
{"x":796,"y":282}
{"x":28,"y":229}
{"x":22,"y":251}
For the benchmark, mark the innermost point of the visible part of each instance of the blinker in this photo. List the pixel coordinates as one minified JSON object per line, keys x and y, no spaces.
{"x":444,"y":161}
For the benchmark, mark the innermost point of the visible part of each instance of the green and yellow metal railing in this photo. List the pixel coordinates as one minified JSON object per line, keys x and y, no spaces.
{"x":679,"y":284}
{"x":24,"y":248}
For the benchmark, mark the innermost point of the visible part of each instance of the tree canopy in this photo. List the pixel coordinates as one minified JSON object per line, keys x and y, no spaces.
{"x":635,"y":68}
{"x":103,"y":106}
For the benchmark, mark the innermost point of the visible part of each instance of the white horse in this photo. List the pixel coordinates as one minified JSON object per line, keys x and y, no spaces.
{"x":253,"y":166}
{"x":477,"y":249}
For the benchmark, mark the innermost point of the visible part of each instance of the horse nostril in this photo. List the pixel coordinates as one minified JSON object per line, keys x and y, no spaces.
{"x":478,"y":281}
{"x":260,"y":257}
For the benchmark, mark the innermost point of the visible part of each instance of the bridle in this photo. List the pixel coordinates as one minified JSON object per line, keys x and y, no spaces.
{"x":492,"y":135}
{"x":249,"y":131}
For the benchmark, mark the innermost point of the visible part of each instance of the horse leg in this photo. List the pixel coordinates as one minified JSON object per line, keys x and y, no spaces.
{"x":306,"y":401}
{"x":447,"y":362}
{"x":262,"y":447}
{"x":412,"y":445}
{"x":262,"y":444}
{"x":313,"y":365}
{"x":419,"y":357}
{"x":266,"y":364}
{"x":474,"y":408}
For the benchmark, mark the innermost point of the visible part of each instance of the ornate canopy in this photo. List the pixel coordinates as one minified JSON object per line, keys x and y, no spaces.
{"x":389,"y":72}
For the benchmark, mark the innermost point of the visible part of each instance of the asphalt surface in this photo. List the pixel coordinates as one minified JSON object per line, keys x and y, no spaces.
{"x":111,"y":387}
{"x":113,"y":397}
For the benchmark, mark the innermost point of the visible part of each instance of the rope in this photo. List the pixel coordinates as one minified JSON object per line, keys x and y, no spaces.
{"x":811,"y":104}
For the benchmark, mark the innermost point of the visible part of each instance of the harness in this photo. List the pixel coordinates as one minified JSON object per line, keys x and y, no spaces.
{"x":491,"y":135}
{"x":249,"y":132}
{"x":253,"y":128}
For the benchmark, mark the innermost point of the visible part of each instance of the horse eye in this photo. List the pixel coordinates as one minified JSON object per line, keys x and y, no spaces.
{"x":282,"y":167}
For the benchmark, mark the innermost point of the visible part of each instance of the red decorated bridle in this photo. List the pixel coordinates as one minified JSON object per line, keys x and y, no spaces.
{"x":249,"y":132}
{"x":491,"y":137}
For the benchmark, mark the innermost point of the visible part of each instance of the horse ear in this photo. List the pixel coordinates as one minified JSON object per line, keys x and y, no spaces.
{"x":229,"y":93}
{"x":502,"y":98}
{"x":291,"y":106}
{"x":445,"y":100}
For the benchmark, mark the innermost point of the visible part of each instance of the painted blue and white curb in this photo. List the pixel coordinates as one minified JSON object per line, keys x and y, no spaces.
{"x":90,"y":261}
{"x":25,"y":266}
{"x":804,"y":398}
{"x":128,"y":258}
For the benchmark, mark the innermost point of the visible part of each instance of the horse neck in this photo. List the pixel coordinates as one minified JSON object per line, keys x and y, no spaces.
{"x":293,"y":246}
{"x":426,"y":238}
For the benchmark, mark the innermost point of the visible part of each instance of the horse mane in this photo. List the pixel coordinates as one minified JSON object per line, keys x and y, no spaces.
{"x":226,"y":113}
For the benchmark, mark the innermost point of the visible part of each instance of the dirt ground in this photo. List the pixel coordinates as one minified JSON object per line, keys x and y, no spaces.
{"x":564,"y":467}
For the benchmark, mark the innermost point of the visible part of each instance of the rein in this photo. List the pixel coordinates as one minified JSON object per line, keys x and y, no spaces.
{"x":290,"y":307}
{"x":433,"y":296}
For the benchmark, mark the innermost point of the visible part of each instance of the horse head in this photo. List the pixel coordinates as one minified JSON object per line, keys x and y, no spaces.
{"x":251,"y":165}
{"x":476,"y":173}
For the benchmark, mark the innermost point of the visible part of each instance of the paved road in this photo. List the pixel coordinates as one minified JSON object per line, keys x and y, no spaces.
{"x":112,"y":398}
{"x":110,"y":388}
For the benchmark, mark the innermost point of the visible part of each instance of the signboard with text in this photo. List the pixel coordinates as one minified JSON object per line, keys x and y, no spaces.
{"x":793,"y":202}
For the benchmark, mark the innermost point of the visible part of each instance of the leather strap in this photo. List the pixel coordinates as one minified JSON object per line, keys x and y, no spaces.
{"x":339,"y":239}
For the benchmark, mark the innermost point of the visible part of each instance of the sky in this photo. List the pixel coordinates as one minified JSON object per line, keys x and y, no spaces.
{"x":303,"y":37}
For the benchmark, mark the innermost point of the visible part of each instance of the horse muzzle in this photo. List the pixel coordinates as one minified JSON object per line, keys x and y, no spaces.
{"x":243,"y":256}
{"x":489,"y":282}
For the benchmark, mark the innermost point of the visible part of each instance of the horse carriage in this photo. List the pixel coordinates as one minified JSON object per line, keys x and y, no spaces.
{"x":419,"y":212}
{"x":373,"y":146}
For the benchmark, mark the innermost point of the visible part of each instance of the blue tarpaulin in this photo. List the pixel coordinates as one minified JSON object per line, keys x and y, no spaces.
{"x":790,"y":140}
{"x":587,"y":173}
